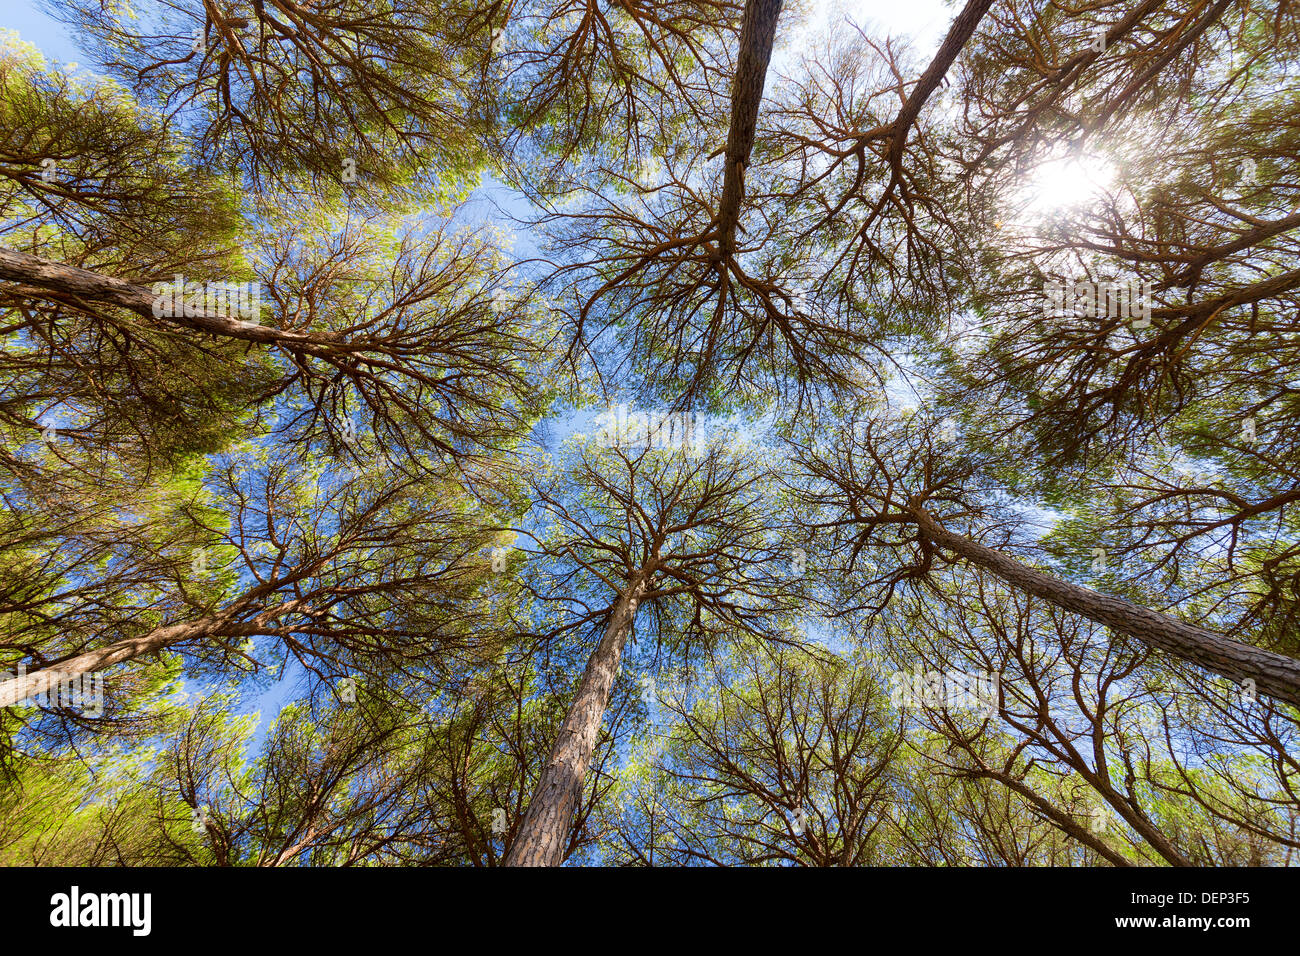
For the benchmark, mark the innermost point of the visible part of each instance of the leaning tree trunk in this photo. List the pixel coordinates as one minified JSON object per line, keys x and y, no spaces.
{"x":757,"y":34}
{"x":959,"y":34}
{"x":18,"y":688}
{"x":62,"y":281}
{"x":544,"y":833}
{"x":42,"y":681}
{"x":1276,"y":675}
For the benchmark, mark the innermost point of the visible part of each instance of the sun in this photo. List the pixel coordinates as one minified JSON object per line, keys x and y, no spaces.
{"x":1066,"y":182}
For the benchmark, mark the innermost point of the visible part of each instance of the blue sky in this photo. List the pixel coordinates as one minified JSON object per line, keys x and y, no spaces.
{"x":34,"y":26}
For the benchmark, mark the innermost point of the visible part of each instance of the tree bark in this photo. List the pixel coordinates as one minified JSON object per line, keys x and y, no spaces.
{"x":757,"y":35}
{"x":543,"y":835}
{"x":1276,"y":675}
{"x":19,"y":688}
{"x":963,"y":27}
{"x":46,"y":275}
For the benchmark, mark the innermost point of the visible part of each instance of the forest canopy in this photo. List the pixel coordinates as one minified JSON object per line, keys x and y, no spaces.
{"x":702,"y":432}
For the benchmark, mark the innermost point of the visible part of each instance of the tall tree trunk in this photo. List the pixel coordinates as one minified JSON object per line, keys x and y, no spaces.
{"x":1276,"y":675}
{"x":757,"y":34}
{"x":543,"y":834}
